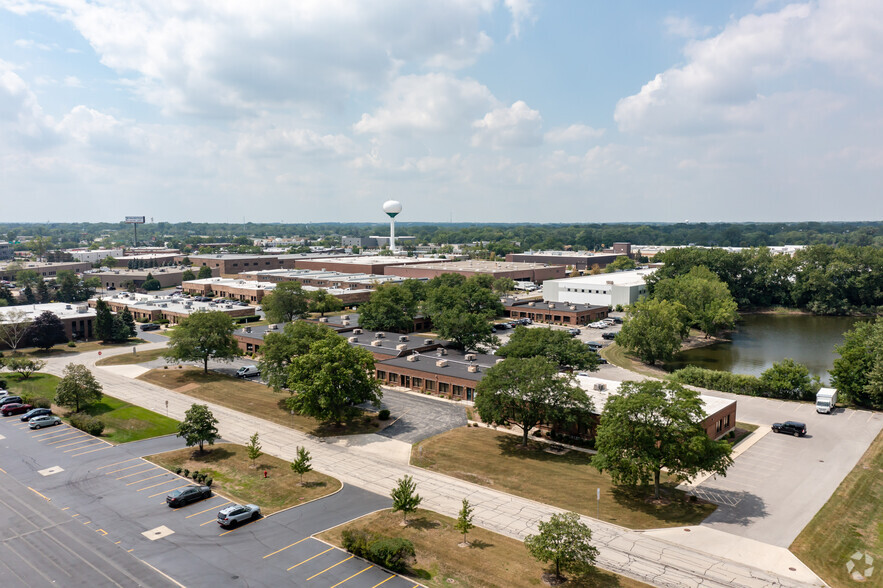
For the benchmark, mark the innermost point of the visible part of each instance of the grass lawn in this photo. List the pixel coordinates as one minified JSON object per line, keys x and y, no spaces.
{"x":850,"y":522}
{"x":132,"y":358}
{"x":253,"y":398}
{"x":490,"y":560}
{"x":233,"y":476}
{"x":36,"y":386}
{"x":741,"y":431}
{"x":622,"y":358}
{"x":495,"y":459}
{"x":124,"y":422}
{"x":63,"y":349}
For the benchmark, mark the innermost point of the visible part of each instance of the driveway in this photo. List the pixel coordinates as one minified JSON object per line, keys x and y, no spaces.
{"x":419,"y":417}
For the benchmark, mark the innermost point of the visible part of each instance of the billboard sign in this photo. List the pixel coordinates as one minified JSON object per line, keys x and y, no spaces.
{"x":135,"y":220}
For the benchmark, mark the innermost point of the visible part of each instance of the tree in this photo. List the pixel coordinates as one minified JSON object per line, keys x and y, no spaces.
{"x":24,"y":366}
{"x":461,"y":309}
{"x":280,"y":348}
{"x":253,"y":448}
{"x":464,"y":520}
{"x":654,"y":329}
{"x":405,"y":498}
{"x":710,"y":306}
{"x":619,"y":264}
{"x":651,"y":425}
{"x":77,"y":388}
{"x":203,"y":336}
{"x":789,"y":379}
{"x":321,"y":301}
{"x":198,"y":426}
{"x":103,"y":321}
{"x":14,"y":325}
{"x":43,"y":292}
{"x":858,"y":372}
{"x":188,"y":275}
{"x":108,"y":261}
{"x":285,"y":303}
{"x":527,"y":392}
{"x":565,"y":541}
{"x":503,"y":285}
{"x":556,"y":346}
{"x":73,"y":289}
{"x":302,"y":464}
{"x":391,"y":307}
{"x":28,"y":294}
{"x":46,"y":330}
{"x":331,"y":379}
{"x":204,"y":272}
{"x":150,"y":283}
{"x":128,"y":320}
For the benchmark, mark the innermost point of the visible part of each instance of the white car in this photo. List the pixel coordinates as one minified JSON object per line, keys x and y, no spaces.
{"x":238,"y":514}
{"x":47,"y":420}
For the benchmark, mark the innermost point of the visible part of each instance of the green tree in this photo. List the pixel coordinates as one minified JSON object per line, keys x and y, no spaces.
{"x":556,"y":346}
{"x":503,"y":285}
{"x":651,"y":425}
{"x":26,"y":277}
{"x":253,"y":448}
{"x":188,"y":275}
{"x":285,"y":303}
{"x":321,"y":301}
{"x":710,"y":306}
{"x":103,"y":321}
{"x":464,"y":520}
{"x":654,"y":329}
{"x":108,"y":261}
{"x":302,"y":463}
{"x":391,"y":307}
{"x":198,"y":426}
{"x":528,"y":392}
{"x":151,"y":284}
{"x":203,"y":336}
{"x":46,"y":330}
{"x":789,"y":379}
{"x":128,"y":320}
{"x":280,"y":348}
{"x":204,"y":272}
{"x":78,"y":387}
{"x":405,"y":498}
{"x":331,"y":379}
{"x":619,"y":264}
{"x":461,"y":309}
{"x":70,"y":288}
{"x":43,"y":295}
{"x":24,"y":366}
{"x":14,"y":326}
{"x":564,"y":541}
{"x":858,"y":372}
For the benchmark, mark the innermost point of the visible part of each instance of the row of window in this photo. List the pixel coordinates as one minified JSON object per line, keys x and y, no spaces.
{"x":722,"y":424}
{"x":416,"y":383}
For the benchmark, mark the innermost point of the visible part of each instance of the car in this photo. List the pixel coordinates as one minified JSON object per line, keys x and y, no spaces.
{"x":594,"y":345}
{"x":4,"y":393}
{"x":10,"y":399}
{"x":617,"y":320}
{"x":188,"y":494}
{"x":525,"y":321}
{"x":608,"y":336}
{"x":150,"y":327}
{"x":14,"y":408}
{"x":248,"y":371}
{"x":501,"y":326}
{"x":601,"y":360}
{"x":35,"y":413}
{"x":46,"y":420}
{"x":235,"y":514}
{"x":790,"y":428}
{"x":111,"y":288}
{"x":574,"y":332}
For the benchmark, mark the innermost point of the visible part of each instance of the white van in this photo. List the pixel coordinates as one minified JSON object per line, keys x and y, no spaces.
{"x":826,"y":400}
{"x":248,"y":371}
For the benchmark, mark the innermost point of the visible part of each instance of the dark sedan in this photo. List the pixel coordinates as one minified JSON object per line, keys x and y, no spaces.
{"x":184,"y":496}
{"x":15,"y":408}
{"x":35,"y":412}
{"x":790,"y":428}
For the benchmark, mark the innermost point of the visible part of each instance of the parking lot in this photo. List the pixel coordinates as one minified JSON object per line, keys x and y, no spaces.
{"x":120,"y":497}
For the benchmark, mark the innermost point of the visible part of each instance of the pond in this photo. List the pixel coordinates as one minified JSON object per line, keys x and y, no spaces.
{"x":761,"y":339}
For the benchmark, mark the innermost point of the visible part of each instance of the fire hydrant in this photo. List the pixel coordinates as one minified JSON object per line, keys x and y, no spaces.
{"x":265,"y":473}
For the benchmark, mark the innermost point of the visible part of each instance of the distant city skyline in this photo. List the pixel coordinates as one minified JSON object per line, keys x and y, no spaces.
{"x":463,"y":110}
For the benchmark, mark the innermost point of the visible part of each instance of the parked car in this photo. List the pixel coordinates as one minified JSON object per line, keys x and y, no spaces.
{"x":790,"y":428}
{"x":525,"y":321}
{"x":601,"y":360}
{"x":4,"y":393}
{"x":235,"y":514}
{"x":35,"y":413}
{"x":10,"y":400}
{"x":188,"y":494}
{"x":46,"y":420}
{"x":574,"y":332}
{"x":15,"y":408}
{"x":248,"y":371}
{"x":594,"y":345}
{"x":617,"y":320}
{"x":608,"y":336}
{"x":150,"y":327}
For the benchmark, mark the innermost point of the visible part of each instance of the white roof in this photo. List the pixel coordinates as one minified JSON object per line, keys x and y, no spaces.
{"x":599,"y":390}
{"x":626,"y":278}
{"x":234,"y":283}
{"x":62,"y":310}
{"x":172,"y":304}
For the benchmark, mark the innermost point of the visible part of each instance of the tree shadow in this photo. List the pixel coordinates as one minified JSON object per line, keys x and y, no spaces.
{"x":211,"y":454}
{"x":510,"y":446}
{"x":423,"y":524}
{"x":479,"y":544}
{"x":734,"y":507}
{"x":314,"y":484}
{"x":674,"y":507}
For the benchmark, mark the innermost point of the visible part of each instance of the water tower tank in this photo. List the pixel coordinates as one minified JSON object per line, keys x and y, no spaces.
{"x":392,"y":208}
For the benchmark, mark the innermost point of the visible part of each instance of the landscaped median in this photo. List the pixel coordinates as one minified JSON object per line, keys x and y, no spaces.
{"x":253,"y":398}
{"x":234,"y":476}
{"x":131,"y":358}
{"x":489,"y":560}
{"x":495,"y":459}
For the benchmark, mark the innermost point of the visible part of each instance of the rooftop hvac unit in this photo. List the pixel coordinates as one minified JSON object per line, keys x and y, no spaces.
{"x":323,"y":319}
{"x":345,"y":323}
{"x":412,"y":357}
{"x":345,"y":317}
{"x":572,"y":307}
{"x":531,"y":303}
{"x":274,"y":327}
{"x":353,"y":339}
{"x":67,"y":306}
{"x":82,"y":309}
{"x":427,"y":341}
{"x":441,"y":363}
{"x":357,"y":331}
{"x":470,"y":357}
{"x":600,"y":387}
{"x":380,"y":335}
{"x":248,"y":329}
{"x":376,"y":343}
{"x":552,"y":305}
{"x":401,"y":347}
{"x":164,"y":305}
{"x":472,"y":368}
{"x":403,"y":337}
{"x":442,"y":352}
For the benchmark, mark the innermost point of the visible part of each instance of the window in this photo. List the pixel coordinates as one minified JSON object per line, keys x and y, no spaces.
{"x":469,"y":393}
{"x":719,"y":426}
{"x":416,"y":382}
{"x":727,"y":421}
{"x":443,"y":387}
{"x":393,"y":378}
{"x":430,"y":386}
{"x":381,"y":375}
{"x":457,"y":390}
{"x":249,"y":347}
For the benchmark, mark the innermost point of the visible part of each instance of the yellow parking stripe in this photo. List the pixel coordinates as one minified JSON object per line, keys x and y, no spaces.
{"x":110,"y":465}
{"x":385,"y":581}
{"x":50,"y":434}
{"x":160,"y":484}
{"x":207,"y":522}
{"x":329,"y":567}
{"x":81,"y":447}
{"x":251,"y":522}
{"x":67,"y":437}
{"x":152,"y":467}
{"x":286,"y":547}
{"x":108,"y":446}
{"x":164,"y":491}
{"x":306,"y":560}
{"x":145,"y":479}
{"x":143,"y":463}
{"x":353,"y":576}
{"x":88,"y":439}
{"x":209,"y":508}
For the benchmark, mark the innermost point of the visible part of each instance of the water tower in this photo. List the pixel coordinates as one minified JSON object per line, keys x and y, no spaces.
{"x":392,"y":208}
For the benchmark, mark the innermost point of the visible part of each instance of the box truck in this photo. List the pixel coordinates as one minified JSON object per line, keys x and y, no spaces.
{"x":826,"y":400}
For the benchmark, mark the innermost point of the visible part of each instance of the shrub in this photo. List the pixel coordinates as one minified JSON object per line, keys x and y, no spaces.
{"x":392,"y":552}
{"x":718,"y":380}
{"x":619,"y":308}
{"x":40,"y":402}
{"x":186,"y":473}
{"x":208,"y":482}
{"x":195,"y":474}
{"x":356,"y":541}
{"x":2,"y":384}
{"x":383,"y":414}
{"x":71,"y":344}
{"x":178,"y":470}
{"x":86,"y":423}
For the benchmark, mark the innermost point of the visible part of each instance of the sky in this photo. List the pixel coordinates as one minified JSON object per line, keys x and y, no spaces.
{"x":463,"y":110}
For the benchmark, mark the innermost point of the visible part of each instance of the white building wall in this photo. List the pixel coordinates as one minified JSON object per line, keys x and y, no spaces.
{"x":96,"y":254}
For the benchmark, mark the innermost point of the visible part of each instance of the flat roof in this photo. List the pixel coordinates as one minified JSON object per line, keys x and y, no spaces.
{"x":62,"y":310}
{"x":233,"y":283}
{"x":377,"y":260}
{"x":483,"y":266}
{"x":457,"y":364}
{"x":600,"y":390}
{"x":230,"y":256}
{"x":541,"y":305}
{"x":175,"y":304}
{"x":557,"y":253}
{"x":170,"y":269}
{"x":325,"y":275}
{"x":40,"y":264}
{"x":625,"y":278}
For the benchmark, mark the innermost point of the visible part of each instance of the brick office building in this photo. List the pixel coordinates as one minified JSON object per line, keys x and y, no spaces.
{"x":145,"y":307}
{"x":558,"y":313}
{"x":523,"y":272}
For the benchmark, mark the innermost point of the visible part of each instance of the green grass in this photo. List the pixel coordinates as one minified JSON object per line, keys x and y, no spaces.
{"x":850,"y":522}
{"x":63,"y":349}
{"x":131,"y":358}
{"x":490,"y":560}
{"x":619,"y":357}
{"x":124,"y":422}
{"x":38,"y":385}
{"x":490,"y":458}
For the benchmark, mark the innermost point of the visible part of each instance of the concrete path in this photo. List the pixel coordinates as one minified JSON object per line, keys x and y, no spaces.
{"x":632,"y":553}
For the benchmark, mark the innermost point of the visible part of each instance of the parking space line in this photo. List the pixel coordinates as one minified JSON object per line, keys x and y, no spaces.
{"x":137,"y":473}
{"x":353,"y":576}
{"x":108,"y":446}
{"x":143,"y":463}
{"x":306,"y":560}
{"x":164,"y":491}
{"x":68,"y":437}
{"x":50,"y":434}
{"x":110,"y":465}
{"x":47,"y":499}
{"x":80,"y":448}
{"x":385,"y":581}
{"x":242,"y":525}
{"x":286,"y":547}
{"x":59,"y":434}
{"x":88,"y":439}
{"x":329,"y":567}
{"x":145,"y":479}
{"x":208,"y":509}
{"x":207,"y":522}
{"x":159,"y":484}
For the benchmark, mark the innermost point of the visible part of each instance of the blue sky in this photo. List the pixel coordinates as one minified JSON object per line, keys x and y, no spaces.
{"x":476,"y":110}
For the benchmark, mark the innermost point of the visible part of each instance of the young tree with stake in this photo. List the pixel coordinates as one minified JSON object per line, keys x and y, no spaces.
{"x":464,"y":521}
{"x":253,"y":448}
{"x":302,"y":464}
{"x":405,"y":498}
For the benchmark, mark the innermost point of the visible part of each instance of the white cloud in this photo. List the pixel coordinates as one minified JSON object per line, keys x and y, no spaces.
{"x":280,"y":140}
{"x":513,"y":126}
{"x":72,"y":82}
{"x":101,"y":131}
{"x":21,"y":116}
{"x":31,"y":44}
{"x":575,"y":132}
{"x":685,"y":26}
{"x":521,"y":11}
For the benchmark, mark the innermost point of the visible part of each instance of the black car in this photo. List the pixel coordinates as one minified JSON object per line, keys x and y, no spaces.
{"x":183,"y":496}
{"x":150,"y":327}
{"x":609,"y":336}
{"x":617,"y":320}
{"x":35,"y":412}
{"x":10,"y":399}
{"x":790,"y":428}
{"x":594,"y":345}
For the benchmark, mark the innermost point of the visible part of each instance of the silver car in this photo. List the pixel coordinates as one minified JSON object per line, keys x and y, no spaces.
{"x":237,"y":514}
{"x":46,"y":420}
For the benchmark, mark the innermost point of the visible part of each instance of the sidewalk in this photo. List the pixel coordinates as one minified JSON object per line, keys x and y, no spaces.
{"x":632,"y":553}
